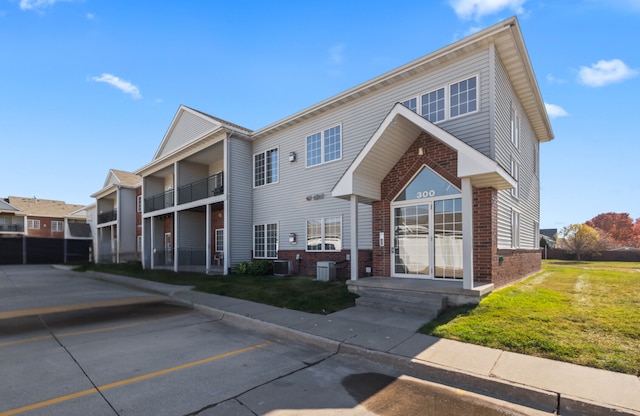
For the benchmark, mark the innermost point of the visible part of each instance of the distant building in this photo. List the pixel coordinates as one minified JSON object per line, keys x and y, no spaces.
{"x":46,"y":218}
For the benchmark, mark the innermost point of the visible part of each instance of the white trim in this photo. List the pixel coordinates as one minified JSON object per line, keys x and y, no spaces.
{"x":448,"y":95}
{"x":322,"y":132}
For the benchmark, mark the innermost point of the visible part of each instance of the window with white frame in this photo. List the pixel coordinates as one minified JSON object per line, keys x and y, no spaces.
{"x":139,"y":243}
{"x":139,"y":203}
{"x":515,"y":172}
{"x":265,"y":167}
{"x":515,"y":229}
{"x":536,"y":234}
{"x":57,"y":226}
{"x":324,"y":146}
{"x":515,"y":127}
{"x":265,"y":241}
{"x":324,"y":234}
{"x":219,"y":240}
{"x":536,"y":157}
{"x":463,"y":97}
{"x":411,"y":104}
{"x":433,"y":105}
{"x":33,"y":224}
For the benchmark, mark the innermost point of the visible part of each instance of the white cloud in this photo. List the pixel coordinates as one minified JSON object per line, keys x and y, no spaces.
{"x":38,"y":5}
{"x":122,"y":85}
{"x":605,"y":72}
{"x":476,"y":9}
{"x":554,"y":80}
{"x":554,"y":110}
{"x":90,"y":16}
{"x":336,"y":53}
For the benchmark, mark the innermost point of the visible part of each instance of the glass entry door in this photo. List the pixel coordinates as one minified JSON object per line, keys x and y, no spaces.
{"x":412,"y":241}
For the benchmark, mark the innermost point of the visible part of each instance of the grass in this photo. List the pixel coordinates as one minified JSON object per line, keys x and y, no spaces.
{"x":297,"y":293}
{"x":586,"y":313}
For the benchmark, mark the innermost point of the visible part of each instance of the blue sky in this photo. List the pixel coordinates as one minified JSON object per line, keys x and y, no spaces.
{"x":89,"y":85}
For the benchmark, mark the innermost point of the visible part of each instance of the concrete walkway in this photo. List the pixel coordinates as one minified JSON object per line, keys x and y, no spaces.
{"x":390,"y":338}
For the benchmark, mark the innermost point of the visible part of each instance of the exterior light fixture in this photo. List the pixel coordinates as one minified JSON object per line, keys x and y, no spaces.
{"x":292,"y":156}
{"x":292,"y":238}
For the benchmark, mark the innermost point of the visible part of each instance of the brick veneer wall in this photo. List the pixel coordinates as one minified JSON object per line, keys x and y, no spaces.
{"x":307,"y":265}
{"x":442,"y":159}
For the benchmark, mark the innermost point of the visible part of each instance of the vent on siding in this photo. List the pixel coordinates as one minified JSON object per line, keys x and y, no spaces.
{"x":281,"y":267}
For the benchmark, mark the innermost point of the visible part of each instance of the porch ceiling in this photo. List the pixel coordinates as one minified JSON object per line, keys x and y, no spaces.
{"x":393,"y":138}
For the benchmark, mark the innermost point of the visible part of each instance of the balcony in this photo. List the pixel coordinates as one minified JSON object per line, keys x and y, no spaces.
{"x":107,"y":216}
{"x":159,"y":201}
{"x":204,"y":188}
{"x":11,"y":228}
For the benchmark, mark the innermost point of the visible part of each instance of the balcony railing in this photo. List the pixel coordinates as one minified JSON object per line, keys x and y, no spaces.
{"x":204,"y":188}
{"x":15,"y":228}
{"x":159,"y":201}
{"x":107,"y":216}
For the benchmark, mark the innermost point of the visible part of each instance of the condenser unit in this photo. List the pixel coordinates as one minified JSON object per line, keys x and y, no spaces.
{"x":281,"y":267}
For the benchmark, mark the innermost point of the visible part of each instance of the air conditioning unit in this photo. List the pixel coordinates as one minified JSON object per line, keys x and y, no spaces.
{"x":326,"y":271}
{"x":281,"y":267}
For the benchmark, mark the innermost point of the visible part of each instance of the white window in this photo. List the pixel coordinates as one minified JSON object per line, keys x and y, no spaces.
{"x":139,"y":203}
{"x":139,"y":243}
{"x":515,"y":229}
{"x":515,"y":127}
{"x":220,"y":240}
{"x":265,"y":241}
{"x":411,"y":104}
{"x":536,"y":234}
{"x":33,"y":224}
{"x":515,"y":172}
{"x":463,"y":97}
{"x":433,"y":105}
{"x":536,"y":158}
{"x":324,"y":234}
{"x":57,"y":226}
{"x":265,"y":167}
{"x":324,"y":146}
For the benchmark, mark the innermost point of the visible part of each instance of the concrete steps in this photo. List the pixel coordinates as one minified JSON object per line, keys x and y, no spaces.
{"x":429,"y":305}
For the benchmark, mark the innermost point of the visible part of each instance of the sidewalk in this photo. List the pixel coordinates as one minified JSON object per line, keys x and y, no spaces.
{"x":390,"y":338}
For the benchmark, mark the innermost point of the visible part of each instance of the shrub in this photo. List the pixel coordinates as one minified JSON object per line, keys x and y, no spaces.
{"x":260,"y":268}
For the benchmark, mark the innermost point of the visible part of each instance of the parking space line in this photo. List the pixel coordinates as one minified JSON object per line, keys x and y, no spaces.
{"x":130,"y":380}
{"x":68,"y":334}
{"x":138,"y":300}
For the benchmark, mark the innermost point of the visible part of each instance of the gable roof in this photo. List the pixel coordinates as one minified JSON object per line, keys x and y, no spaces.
{"x":188,"y":125}
{"x":393,"y":138}
{"x":116,"y":178}
{"x":6,"y":206}
{"x":123,"y":178}
{"x":45,"y":207}
{"x":509,"y":44}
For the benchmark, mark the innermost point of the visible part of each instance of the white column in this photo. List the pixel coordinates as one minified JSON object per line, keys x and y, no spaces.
{"x":176,"y":240}
{"x":208,"y":237}
{"x":467,"y":234}
{"x":152,"y":242}
{"x":354,"y":237}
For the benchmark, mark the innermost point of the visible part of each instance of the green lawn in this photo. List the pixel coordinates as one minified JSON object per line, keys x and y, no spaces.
{"x":586,"y":313}
{"x":299,"y":293}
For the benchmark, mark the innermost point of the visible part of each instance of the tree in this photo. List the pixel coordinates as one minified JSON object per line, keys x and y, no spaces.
{"x":618,"y":227}
{"x":580,"y":239}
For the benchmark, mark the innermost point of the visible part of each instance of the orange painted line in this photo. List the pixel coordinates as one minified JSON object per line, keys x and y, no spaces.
{"x":81,"y":306}
{"x":124,"y":382}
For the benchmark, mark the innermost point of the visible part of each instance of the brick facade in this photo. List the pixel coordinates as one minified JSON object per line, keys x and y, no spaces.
{"x":488,"y":268}
{"x":45,"y":229}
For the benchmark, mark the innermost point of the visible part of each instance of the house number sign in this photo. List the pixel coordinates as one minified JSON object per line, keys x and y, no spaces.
{"x":425,"y":194}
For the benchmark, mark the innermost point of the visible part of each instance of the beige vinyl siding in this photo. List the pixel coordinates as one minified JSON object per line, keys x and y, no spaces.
{"x":286,"y":201}
{"x":189,"y":172}
{"x":527,"y":203}
{"x":239,"y":198}
{"x":192,"y":232}
{"x":187,"y":127}
{"x":127,"y":221}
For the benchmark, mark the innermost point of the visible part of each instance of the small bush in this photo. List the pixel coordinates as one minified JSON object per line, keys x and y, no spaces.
{"x":260,"y":268}
{"x":242,"y":268}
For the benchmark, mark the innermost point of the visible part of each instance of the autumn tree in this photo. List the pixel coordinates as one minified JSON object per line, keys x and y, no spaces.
{"x":618,"y":227}
{"x":580,"y":239}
